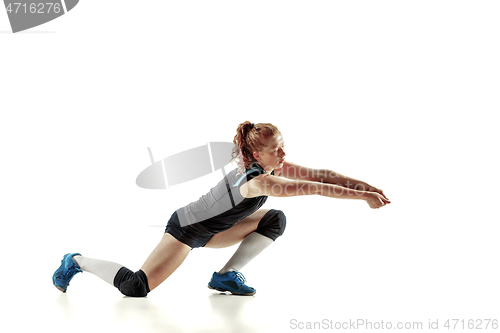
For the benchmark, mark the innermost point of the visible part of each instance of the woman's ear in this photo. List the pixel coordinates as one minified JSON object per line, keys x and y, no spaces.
{"x":256,"y":155}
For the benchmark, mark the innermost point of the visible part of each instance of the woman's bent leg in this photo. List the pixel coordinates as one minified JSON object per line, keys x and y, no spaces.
{"x":249,"y":248}
{"x":238,"y":232}
{"x":168,"y":255}
{"x":255,"y":232}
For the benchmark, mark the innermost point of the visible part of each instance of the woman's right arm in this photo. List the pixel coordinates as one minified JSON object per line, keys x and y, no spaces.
{"x":275,"y":186}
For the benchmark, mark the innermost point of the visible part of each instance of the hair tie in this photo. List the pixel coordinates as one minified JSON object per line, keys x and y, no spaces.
{"x":251,"y":125}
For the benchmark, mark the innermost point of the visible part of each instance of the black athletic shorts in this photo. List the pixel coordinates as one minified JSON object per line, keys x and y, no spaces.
{"x":187,"y":235}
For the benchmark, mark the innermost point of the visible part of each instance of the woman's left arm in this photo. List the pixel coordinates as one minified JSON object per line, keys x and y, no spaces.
{"x":294,"y":171}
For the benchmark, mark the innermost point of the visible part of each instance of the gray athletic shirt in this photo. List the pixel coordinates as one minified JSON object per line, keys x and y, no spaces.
{"x":223,"y":206}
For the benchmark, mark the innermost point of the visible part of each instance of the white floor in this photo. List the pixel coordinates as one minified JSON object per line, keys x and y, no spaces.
{"x":196,"y":310}
{"x":357,"y":272}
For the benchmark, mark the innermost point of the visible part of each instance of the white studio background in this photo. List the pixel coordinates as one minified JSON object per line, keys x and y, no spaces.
{"x":400,"y":94}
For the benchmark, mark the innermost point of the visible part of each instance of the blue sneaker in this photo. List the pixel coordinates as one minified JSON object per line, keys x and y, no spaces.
{"x":232,"y":281}
{"x":65,"y":272}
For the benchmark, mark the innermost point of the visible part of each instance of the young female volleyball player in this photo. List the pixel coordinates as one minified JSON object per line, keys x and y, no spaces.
{"x":227,"y":215}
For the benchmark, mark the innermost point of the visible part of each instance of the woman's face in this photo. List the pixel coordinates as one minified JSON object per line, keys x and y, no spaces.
{"x":273,"y":155}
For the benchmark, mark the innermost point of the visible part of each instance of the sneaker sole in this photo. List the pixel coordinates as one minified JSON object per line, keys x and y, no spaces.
{"x":60,"y":288}
{"x":232,"y":292}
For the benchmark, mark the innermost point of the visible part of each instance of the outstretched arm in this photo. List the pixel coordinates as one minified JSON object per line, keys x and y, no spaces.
{"x":297,"y":172}
{"x":276,"y":186}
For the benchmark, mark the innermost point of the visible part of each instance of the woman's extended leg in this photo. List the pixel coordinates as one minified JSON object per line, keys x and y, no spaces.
{"x":161,"y":263}
{"x":164,"y":260}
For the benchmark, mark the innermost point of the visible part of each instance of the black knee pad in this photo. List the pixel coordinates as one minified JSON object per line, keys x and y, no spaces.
{"x":272,"y":224}
{"x":130,"y":283}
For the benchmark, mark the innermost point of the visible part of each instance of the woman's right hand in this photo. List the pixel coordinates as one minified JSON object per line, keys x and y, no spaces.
{"x":376,"y":200}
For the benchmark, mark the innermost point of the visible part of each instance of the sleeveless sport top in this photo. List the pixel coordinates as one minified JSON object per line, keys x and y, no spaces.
{"x":223,"y":206}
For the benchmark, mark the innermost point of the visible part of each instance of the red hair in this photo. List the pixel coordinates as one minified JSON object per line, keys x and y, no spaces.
{"x":248,"y":139}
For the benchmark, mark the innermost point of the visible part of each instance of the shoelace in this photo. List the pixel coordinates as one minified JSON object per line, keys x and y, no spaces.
{"x":70,"y":273}
{"x":239,"y":276}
